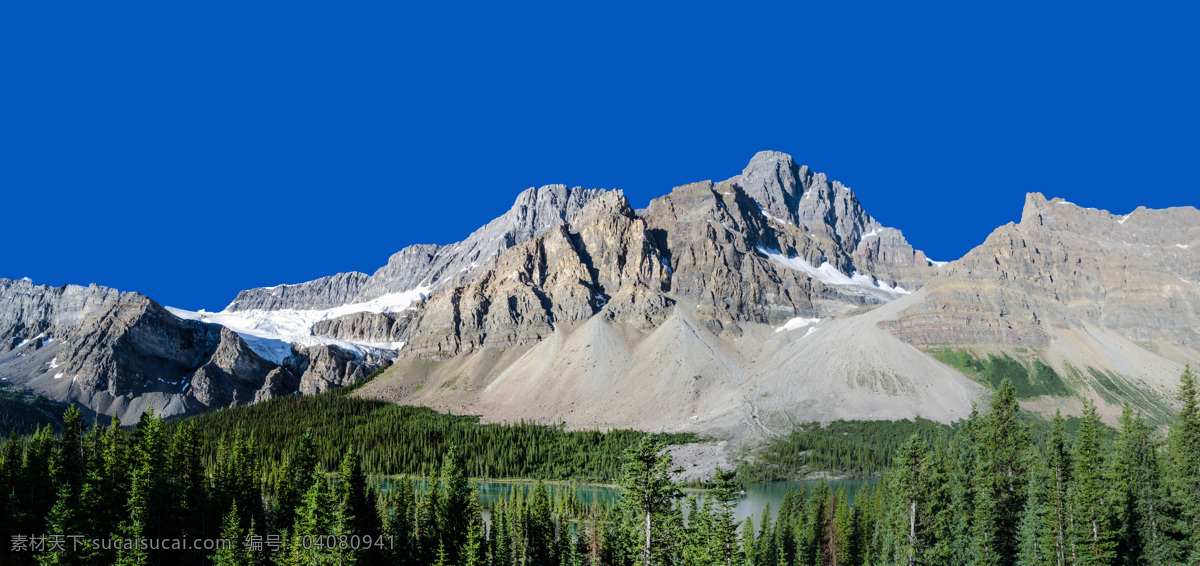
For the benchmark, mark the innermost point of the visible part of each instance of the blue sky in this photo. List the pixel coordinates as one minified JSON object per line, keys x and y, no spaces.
{"x":187,"y":152}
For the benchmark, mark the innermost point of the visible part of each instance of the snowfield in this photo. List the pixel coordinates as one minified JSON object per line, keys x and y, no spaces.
{"x":829,"y":275}
{"x":271,"y":333}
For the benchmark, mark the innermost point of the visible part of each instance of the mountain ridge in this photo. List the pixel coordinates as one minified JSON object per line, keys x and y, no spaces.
{"x":736,"y":308}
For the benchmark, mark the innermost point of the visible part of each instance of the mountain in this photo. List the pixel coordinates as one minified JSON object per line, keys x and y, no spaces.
{"x":1110,"y":302}
{"x":123,"y":353}
{"x":737,"y":308}
{"x":425,"y":266}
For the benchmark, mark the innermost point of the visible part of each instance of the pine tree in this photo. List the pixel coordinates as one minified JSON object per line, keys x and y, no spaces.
{"x":647,"y":488}
{"x":402,"y":522}
{"x":356,"y":507}
{"x":1093,"y":534}
{"x":843,"y":527}
{"x":36,"y":483}
{"x":188,"y":488}
{"x":539,"y":533}
{"x":145,"y":507}
{"x":453,"y":505}
{"x":1000,"y":480}
{"x":316,"y":519}
{"x":298,"y":476}
{"x":748,"y":542}
{"x":235,"y":552}
{"x":473,"y":548}
{"x":1143,"y":511}
{"x":68,"y":468}
{"x":1031,"y":541}
{"x":1185,"y":456}
{"x":1057,"y":500}
{"x":723,"y":539}
{"x":909,"y":487}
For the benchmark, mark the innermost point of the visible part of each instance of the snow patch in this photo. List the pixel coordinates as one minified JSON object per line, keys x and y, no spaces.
{"x":27,"y":280}
{"x":60,"y":374}
{"x":1182,"y":246}
{"x":869,"y":234}
{"x":798,"y":322}
{"x":53,"y":363}
{"x":829,"y":275}
{"x":271,"y":333}
{"x":935,"y":263}
{"x":1123,"y":219}
{"x":768,"y":215}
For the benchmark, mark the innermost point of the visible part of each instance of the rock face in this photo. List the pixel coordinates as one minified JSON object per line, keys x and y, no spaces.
{"x":122,"y":353}
{"x":744,"y":305}
{"x":1066,"y":266}
{"x":604,"y":262}
{"x":707,"y":244}
{"x":534,"y":212}
{"x":325,"y":367}
{"x":793,"y":194}
{"x":112,"y":351}
{"x":369,"y":326}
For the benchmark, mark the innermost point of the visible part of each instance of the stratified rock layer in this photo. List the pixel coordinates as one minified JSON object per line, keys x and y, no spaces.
{"x":1065,"y":266}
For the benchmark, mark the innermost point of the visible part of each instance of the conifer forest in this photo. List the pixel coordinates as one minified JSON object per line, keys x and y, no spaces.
{"x":231,"y":490}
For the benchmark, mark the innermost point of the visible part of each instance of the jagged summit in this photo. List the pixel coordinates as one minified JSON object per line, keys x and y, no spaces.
{"x":426,"y":265}
{"x":794,"y":194}
{"x":742,"y":305}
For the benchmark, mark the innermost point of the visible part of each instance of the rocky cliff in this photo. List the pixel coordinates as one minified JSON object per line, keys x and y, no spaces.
{"x":738,"y":307}
{"x":123,"y":353}
{"x":793,"y":194}
{"x":535,"y":211}
{"x":1064,"y":265}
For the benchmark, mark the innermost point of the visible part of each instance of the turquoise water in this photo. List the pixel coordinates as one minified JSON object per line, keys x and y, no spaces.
{"x":751,"y":504}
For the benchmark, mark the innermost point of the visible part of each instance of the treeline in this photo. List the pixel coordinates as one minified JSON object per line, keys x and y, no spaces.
{"x":862,"y":449}
{"x":989,"y":495}
{"x":983,"y":494}
{"x":841,"y":448}
{"x":398,"y":439}
{"x":24,"y":413}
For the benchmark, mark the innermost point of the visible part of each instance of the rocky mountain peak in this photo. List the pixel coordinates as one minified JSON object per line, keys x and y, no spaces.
{"x":794,"y":195}
{"x":534,"y":211}
{"x":773,"y":179}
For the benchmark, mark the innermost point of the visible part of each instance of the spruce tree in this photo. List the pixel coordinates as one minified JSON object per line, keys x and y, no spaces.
{"x":297,"y":477}
{"x":723,"y":538}
{"x":453,"y":505}
{"x":1143,"y":510}
{"x":909,"y":488}
{"x":1057,"y":528}
{"x":647,"y":489}
{"x":1032,"y":549}
{"x":1185,"y":456}
{"x":145,"y":507}
{"x":1001,"y":480}
{"x":357,"y":508}
{"x":68,"y":468}
{"x":234,"y":552}
{"x":1091,"y":505}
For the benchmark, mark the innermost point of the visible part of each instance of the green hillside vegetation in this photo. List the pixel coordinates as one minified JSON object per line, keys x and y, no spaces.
{"x":841,"y":448}
{"x":1029,"y":379}
{"x":984,"y":492}
{"x":863,"y":449}
{"x":396,"y":439}
{"x":24,"y":413}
